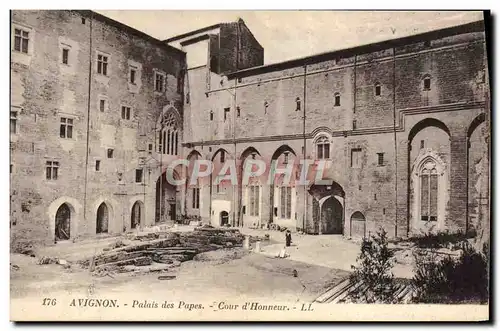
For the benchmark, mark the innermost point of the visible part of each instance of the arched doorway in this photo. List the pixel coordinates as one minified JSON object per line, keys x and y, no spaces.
{"x":102,"y":222}
{"x":224,"y":218}
{"x":331,"y":216}
{"x":165,"y":200}
{"x":358,"y":224}
{"x":63,"y":222}
{"x":135,"y":215}
{"x":328,"y":209}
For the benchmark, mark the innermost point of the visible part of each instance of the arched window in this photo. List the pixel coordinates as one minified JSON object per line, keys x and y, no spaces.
{"x":323,"y":148}
{"x":428,"y":191}
{"x":168,"y":135}
{"x":337,"y":99}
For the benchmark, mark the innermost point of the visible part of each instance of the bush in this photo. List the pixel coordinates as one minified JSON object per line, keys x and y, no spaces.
{"x":449,"y":279}
{"x":373,"y":273}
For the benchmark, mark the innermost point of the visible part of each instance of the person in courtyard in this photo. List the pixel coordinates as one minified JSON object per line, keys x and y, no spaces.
{"x":288,"y":238}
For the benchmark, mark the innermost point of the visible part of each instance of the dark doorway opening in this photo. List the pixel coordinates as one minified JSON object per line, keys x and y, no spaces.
{"x":165,"y":198}
{"x":63,"y":222}
{"x":135,"y":217}
{"x":331,"y":216}
{"x":173,"y":212}
{"x":224,"y":218}
{"x":102,"y":219}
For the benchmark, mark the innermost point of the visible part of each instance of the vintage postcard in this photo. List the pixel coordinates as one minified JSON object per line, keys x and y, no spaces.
{"x":249,"y":165}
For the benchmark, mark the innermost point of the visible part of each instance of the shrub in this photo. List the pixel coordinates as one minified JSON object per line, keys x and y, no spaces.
{"x":449,"y":279}
{"x":373,"y":273}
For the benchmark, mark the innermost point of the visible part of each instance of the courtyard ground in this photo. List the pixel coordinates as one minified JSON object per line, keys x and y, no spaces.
{"x":319,"y":261}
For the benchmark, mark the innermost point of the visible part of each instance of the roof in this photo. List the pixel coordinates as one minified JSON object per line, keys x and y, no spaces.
{"x":132,"y":31}
{"x":477,"y":26}
{"x":187,"y":34}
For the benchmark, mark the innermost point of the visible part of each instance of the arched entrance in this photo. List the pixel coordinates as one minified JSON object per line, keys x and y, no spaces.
{"x":102,"y":222}
{"x":358,"y":224}
{"x":165,"y":200}
{"x":224,"y":218}
{"x":135,"y":215}
{"x":328,"y":208}
{"x":331,"y":216}
{"x":63,"y":222}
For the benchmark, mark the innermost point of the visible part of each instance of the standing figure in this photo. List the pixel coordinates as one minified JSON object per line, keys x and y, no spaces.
{"x":288,"y":238}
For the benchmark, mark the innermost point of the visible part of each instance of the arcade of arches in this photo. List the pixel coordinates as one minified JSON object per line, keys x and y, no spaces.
{"x":331,"y":210}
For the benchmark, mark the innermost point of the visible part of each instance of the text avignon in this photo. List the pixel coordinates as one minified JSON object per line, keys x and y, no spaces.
{"x":94,"y":303}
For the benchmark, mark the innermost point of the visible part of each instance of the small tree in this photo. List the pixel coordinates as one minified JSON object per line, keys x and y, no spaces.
{"x":372,"y":278}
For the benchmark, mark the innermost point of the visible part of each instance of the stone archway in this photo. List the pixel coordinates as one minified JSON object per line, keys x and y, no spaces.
{"x":224,"y":218}
{"x":332,"y":216}
{"x":102,"y":219}
{"x":136,"y":215}
{"x":63,"y":223}
{"x":328,"y":208}
{"x":358,"y":224}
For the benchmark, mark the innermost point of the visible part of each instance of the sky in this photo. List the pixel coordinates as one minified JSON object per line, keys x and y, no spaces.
{"x":287,"y":35}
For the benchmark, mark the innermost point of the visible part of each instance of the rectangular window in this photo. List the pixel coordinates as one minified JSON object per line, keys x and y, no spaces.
{"x":132,"y":76}
{"x":380,"y":159}
{"x":286,"y":202}
{"x":196,"y":197}
{"x":102,"y":64}
{"x":337,"y":100}
{"x":66,"y":128}
{"x":159,"y":82}
{"x":65,"y":56}
{"x":320,"y":151}
{"x":13,"y":122}
{"x":377,"y":90}
{"x":51,"y":170}
{"x":427,"y":83}
{"x":102,"y":105}
{"x":226,"y":111}
{"x":21,"y":40}
{"x":356,"y":158}
{"x":97,"y":165}
{"x":422,"y":144}
{"x":138,"y":175}
{"x":110,"y":153}
{"x":323,"y":151}
{"x":254,"y":200}
{"x":125,"y":112}
{"x":354,"y":125}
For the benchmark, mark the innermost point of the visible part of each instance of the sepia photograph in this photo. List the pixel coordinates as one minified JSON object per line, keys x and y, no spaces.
{"x":194,"y":165}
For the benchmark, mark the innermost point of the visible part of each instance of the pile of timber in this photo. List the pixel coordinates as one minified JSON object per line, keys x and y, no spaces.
{"x":161,"y":251}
